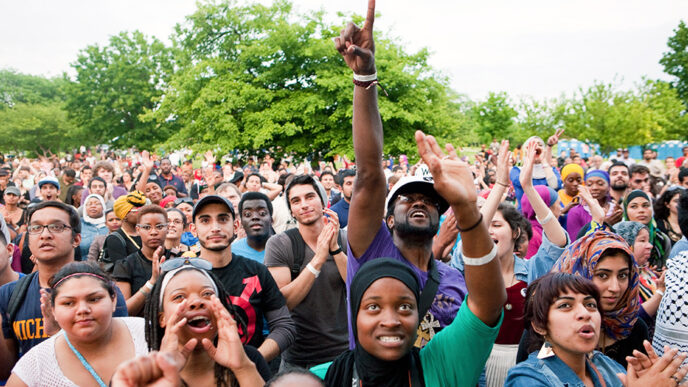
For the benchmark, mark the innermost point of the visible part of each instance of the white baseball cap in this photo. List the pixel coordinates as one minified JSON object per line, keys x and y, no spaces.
{"x":416,"y":184}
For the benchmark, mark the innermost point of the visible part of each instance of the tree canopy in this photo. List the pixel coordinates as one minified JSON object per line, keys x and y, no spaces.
{"x":675,"y":61}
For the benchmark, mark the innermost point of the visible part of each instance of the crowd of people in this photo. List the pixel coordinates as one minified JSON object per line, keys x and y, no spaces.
{"x":512,"y":267}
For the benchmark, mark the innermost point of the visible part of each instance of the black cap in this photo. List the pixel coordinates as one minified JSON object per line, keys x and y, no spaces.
{"x":210,"y":199}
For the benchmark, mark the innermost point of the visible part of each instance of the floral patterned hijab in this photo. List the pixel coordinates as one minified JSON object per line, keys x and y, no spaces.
{"x":581,"y":258}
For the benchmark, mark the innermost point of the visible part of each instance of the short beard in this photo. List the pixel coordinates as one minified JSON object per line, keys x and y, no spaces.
{"x":621,"y":187}
{"x":218,"y":248}
{"x":415,"y":235}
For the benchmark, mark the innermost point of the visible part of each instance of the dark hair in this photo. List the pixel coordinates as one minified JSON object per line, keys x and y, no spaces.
{"x":85,"y":167}
{"x":255,"y":196}
{"x":155,"y":333}
{"x":683,"y":173}
{"x":262,"y":179}
{"x":297,"y":371}
{"x":69,"y":172}
{"x":323,"y":173}
{"x":639,"y":169}
{"x":282,"y":179}
{"x":78,"y":270}
{"x":179,"y":212}
{"x":683,"y":212}
{"x":71,"y":191}
{"x":96,"y":178}
{"x":662,"y":203}
{"x":74,"y":219}
{"x":303,"y":180}
{"x":517,"y":222}
{"x":542,"y":293}
{"x":344,"y":173}
{"x":150,"y":209}
{"x":618,"y":164}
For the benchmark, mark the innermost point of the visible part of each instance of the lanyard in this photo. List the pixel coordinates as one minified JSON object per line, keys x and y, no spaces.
{"x":85,"y":363}
{"x":132,"y":240}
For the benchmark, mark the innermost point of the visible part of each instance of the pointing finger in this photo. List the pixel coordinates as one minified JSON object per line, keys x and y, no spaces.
{"x":370,"y":17}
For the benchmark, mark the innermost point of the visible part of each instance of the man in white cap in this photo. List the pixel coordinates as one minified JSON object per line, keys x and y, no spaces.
{"x":49,"y":188}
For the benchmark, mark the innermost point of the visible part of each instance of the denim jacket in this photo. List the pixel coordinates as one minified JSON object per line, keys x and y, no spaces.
{"x":553,"y":372}
{"x":525,"y":270}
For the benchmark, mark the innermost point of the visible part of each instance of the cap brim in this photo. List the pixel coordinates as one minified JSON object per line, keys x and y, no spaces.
{"x":211,"y":199}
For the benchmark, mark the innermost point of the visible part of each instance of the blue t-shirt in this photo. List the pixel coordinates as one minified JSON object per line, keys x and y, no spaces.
{"x":27,"y":327}
{"x":241,"y":247}
{"x":342,"y":210}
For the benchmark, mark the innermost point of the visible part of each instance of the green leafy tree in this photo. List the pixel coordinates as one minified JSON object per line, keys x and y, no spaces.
{"x":40,"y":129}
{"x":113,"y":86}
{"x":495,"y":117}
{"x":249,"y":78}
{"x":24,"y":88}
{"x":675,"y":61}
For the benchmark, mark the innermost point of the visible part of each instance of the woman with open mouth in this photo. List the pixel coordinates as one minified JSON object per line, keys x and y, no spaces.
{"x":189,"y":311}
{"x":564,"y":315}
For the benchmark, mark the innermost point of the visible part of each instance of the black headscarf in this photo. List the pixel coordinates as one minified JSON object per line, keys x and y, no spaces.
{"x":371,"y":370}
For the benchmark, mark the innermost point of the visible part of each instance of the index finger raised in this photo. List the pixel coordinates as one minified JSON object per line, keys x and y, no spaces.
{"x":370,"y":16}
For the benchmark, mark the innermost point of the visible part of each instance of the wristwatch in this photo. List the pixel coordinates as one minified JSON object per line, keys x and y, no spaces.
{"x":335,"y":252}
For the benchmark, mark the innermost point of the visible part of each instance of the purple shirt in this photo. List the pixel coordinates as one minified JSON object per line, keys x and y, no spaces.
{"x":450,"y":293}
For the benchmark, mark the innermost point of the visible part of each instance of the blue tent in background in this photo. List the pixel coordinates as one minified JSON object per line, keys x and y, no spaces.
{"x":582,"y":148}
{"x":673,"y":148}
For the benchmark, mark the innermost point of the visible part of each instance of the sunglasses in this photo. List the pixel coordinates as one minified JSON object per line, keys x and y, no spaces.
{"x":183,"y":200}
{"x":176,"y":263}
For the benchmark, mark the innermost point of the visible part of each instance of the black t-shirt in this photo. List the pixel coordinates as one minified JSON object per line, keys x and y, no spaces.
{"x":117,"y":250}
{"x":252,"y":291}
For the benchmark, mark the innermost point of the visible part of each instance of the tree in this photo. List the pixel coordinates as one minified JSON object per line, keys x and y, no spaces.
{"x":495,"y":117}
{"x":23,"y":88}
{"x":38,"y":128}
{"x":250,"y":79}
{"x":113,"y":86}
{"x":675,"y":61}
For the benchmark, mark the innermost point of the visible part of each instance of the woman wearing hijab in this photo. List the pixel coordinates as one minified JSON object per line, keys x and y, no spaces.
{"x":543,"y":173}
{"x":551,"y":200}
{"x":92,"y":222}
{"x":384,"y":297}
{"x":637,"y":207}
{"x":572,"y":178}
{"x":597,"y":183}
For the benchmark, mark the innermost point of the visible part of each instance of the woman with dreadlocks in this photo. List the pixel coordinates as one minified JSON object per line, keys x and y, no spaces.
{"x":189,"y":311}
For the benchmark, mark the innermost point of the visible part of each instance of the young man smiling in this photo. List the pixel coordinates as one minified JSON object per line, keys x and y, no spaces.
{"x":251,"y":287}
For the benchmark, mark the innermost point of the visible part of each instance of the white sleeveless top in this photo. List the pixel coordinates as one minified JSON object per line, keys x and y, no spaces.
{"x":39,"y":366}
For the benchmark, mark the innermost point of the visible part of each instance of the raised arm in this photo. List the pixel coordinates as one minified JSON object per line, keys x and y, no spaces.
{"x":497,"y":193}
{"x":550,"y":225}
{"x":454,"y":181}
{"x":148,"y":164}
{"x":368,"y":201}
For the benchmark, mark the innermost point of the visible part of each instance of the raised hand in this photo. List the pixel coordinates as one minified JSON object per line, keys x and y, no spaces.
{"x":156,"y":263}
{"x":334,"y":220}
{"x":147,"y":161}
{"x":157,"y":369}
{"x":503,"y":164}
{"x":357,"y":46}
{"x":452,"y":177}
{"x":170,"y":341}
{"x":596,"y":209}
{"x":229,"y":351}
{"x":526,"y":176}
{"x":665,"y":371}
{"x":50,"y":325}
{"x":209,"y":158}
{"x":554,"y":139}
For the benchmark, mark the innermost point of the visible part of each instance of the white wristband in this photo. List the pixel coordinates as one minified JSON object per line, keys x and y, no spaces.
{"x":661,"y":293}
{"x":482,"y":260}
{"x":365,"y":78}
{"x":148,"y":286}
{"x":313,"y":270}
{"x":549,"y":217}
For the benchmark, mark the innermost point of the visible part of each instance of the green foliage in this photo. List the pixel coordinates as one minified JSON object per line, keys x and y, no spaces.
{"x":37,"y":128}
{"x":675,"y":61}
{"x":495,"y":117}
{"x":113,"y":86}
{"x":252,"y":79}
{"x":23,"y":88}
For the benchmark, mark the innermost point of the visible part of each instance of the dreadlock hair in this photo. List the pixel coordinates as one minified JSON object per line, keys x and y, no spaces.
{"x":155,"y":333}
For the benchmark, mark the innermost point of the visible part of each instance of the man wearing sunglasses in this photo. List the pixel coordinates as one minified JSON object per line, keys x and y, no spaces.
{"x":251,"y":287}
{"x":53,"y":232}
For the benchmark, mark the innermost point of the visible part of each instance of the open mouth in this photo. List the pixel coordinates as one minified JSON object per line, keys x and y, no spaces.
{"x":390,"y":341}
{"x":587,"y":332}
{"x":199,"y":324}
{"x":418,"y":214}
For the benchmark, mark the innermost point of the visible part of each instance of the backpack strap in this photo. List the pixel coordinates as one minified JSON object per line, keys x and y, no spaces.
{"x":430,"y":289}
{"x":298,"y":247}
{"x":18,"y":295}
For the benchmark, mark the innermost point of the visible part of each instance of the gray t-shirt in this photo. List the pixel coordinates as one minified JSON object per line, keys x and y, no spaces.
{"x":321,"y":318}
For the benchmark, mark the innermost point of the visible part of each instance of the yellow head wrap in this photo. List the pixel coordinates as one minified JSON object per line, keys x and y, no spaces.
{"x":570,"y":168}
{"x":125,"y":203}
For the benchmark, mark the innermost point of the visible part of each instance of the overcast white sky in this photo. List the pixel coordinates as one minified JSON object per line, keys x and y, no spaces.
{"x":538,"y":48}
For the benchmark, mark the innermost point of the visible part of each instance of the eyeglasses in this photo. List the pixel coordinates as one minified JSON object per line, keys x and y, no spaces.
{"x":177,"y":222}
{"x":407,"y":199}
{"x":53,"y":228}
{"x":148,"y":227}
{"x":175,"y":263}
